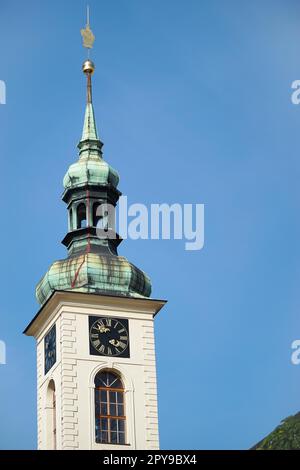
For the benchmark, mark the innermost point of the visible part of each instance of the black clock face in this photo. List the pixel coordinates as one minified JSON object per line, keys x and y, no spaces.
{"x":50,"y":349}
{"x":109,"y":336}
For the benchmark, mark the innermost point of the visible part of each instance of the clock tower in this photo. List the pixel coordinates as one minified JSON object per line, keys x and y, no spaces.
{"x":96,"y":369}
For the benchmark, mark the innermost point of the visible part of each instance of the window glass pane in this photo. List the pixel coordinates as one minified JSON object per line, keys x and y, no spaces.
{"x":101,"y":379}
{"x":103,"y":395}
{"x":121,"y":437}
{"x":97,"y":429}
{"x":104,"y":378}
{"x":113,"y":425}
{"x":113,"y":411}
{"x":111,"y":378}
{"x":104,"y":424}
{"x":112,"y":397}
{"x":118,"y":384}
{"x":120,"y":410}
{"x":120,"y":397}
{"x":97,"y":403}
{"x":114,"y":437}
{"x":121,"y":425}
{"x":103,"y":409}
{"x":104,"y":436}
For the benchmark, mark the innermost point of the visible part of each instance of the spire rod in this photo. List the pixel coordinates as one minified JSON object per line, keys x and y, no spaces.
{"x":88,"y":26}
{"x":88,"y":15}
{"x":89,"y":133}
{"x":88,"y":66}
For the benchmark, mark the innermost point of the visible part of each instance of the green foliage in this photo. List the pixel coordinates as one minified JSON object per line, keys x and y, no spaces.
{"x":285,"y":437}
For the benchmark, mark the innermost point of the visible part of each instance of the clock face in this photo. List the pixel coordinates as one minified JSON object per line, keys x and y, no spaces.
{"x":109,"y":336}
{"x":50,"y":349}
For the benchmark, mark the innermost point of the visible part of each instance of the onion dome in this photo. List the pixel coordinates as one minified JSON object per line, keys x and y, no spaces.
{"x":97,"y":274}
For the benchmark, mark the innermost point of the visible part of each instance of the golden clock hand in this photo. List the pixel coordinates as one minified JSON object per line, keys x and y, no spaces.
{"x":103,"y":329}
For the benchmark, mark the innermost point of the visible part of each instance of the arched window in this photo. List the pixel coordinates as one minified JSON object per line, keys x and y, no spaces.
{"x":81,"y":216}
{"x":51,"y":416}
{"x":110,"y":416}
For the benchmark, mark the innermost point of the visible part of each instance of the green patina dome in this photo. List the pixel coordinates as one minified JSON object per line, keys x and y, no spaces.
{"x":93,"y":171}
{"x":94,"y":273}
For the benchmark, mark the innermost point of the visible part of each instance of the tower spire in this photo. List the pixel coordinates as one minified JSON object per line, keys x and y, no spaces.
{"x":89,"y":127}
{"x":89,"y":132}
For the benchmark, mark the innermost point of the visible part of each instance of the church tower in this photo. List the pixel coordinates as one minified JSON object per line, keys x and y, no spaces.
{"x":96,"y":369}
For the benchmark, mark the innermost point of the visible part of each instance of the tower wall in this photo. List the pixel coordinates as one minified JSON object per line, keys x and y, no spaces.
{"x":75,"y":370}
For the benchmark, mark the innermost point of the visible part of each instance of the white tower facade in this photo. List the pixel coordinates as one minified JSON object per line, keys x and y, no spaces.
{"x":87,"y":401}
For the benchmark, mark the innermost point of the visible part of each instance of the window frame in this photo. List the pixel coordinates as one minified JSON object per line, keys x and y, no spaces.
{"x":108,"y":417}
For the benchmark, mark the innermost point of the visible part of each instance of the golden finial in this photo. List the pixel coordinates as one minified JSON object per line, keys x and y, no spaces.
{"x":88,"y":67}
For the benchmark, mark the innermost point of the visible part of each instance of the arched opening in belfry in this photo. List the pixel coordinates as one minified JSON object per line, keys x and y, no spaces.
{"x":81,"y":216}
{"x":71,"y":219}
{"x":97,"y":214}
{"x":100,"y":216}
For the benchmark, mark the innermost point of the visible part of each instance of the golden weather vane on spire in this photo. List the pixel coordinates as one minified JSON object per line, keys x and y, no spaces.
{"x":88,"y":66}
{"x":87,"y":34}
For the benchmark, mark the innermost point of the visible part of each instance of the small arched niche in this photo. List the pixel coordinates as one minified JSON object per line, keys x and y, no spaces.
{"x":51,"y":416}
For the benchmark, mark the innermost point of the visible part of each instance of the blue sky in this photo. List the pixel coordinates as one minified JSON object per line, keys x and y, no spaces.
{"x":192,"y":100}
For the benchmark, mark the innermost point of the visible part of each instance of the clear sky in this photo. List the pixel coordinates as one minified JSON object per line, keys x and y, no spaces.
{"x":192,"y":100}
